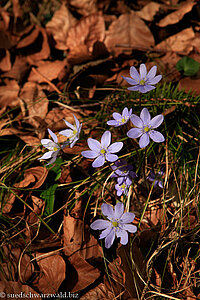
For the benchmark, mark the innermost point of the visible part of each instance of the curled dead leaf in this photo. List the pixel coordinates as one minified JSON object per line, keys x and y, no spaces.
{"x":59,"y":26}
{"x":148,"y":11}
{"x":83,"y":7}
{"x":9,"y":94}
{"x":99,"y":292}
{"x":128,"y":31}
{"x":190,"y":84}
{"x":5,"y":63}
{"x":13,"y":288}
{"x":177,"y":15}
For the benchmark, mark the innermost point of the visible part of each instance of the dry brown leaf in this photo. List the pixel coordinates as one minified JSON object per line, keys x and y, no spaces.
{"x":77,"y":238}
{"x":52,"y":272}
{"x":13,"y":288}
{"x":9,"y":94}
{"x":82,"y":268}
{"x":29,"y":37}
{"x":19,"y":69}
{"x":128,"y":30}
{"x":48,"y":69}
{"x":181,"y":42}
{"x":5,"y":63}
{"x":82,"y":37}
{"x":83,"y":7}
{"x":148,"y":11}
{"x":54,"y":118}
{"x":177,"y":15}
{"x":59,"y":25}
{"x":189,"y":84}
{"x":17,"y":11}
{"x":99,"y":292}
{"x":36,"y":102}
{"x":29,"y":139}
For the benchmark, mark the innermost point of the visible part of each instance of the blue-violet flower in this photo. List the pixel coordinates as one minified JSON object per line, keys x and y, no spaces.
{"x":52,"y":146}
{"x":73,"y":133}
{"x":102,"y":151}
{"x":120,"y":119}
{"x":122,"y":188}
{"x":116,"y":225}
{"x":123,"y":172}
{"x":156,"y":179}
{"x":144,"y":81}
{"x":145,"y":128}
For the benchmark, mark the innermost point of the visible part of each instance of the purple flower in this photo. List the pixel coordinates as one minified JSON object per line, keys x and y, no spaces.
{"x":102,"y":151}
{"x":73,"y":133}
{"x":122,"y":188}
{"x":123,"y":172}
{"x":156,"y":179}
{"x":145,"y":128}
{"x":116,"y":225}
{"x":52,"y":146}
{"x":120,"y":119}
{"x":144,"y":81}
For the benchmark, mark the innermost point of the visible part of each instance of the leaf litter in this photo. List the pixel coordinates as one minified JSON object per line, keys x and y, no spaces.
{"x":58,"y":65}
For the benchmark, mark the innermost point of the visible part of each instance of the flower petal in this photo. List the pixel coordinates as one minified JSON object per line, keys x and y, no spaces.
{"x":49,"y":144}
{"x":125,"y":112}
{"x":145,"y":116}
{"x":117,"y":116}
{"x":130,"y":227}
{"x":89,"y":154}
{"x":144,"y":140}
{"x":110,"y":239}
{"x":148,"y":88}
{"x":111,"y":157}
{"x":99,"y":161}
{"x":100,"y":224}
{"x":53,"y":158}
{"x":113,"y":123}
{"x":52,"y":134}
{"x":130,"y":80}
{"x":76,"y":121}
{"x":119,"y":209}
{"x":152,"y":72}
{"x":66,"y":132}
{"x":107,"y":210}
{"x":133,"y":88}
{"x":115,"y":147}
{"x":123,"y":235}
{"x":106,"y":139}
{"x":134,"y":133}
{"x":156,"y":136}
{"x":134,"y":74}
{"x":46,"y":155}
{"x":106,"y":232}
{"x":155,"y":79}
{"x":127,"y":217}
{"x":94,"y":145}
{"x":156,"y":121}
{"x":69,"y":124}
{"x":136,"y":121}
{"x":160,"y":184}
{"x":143,"y":71}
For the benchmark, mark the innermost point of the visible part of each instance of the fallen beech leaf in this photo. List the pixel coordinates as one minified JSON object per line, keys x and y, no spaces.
{"x":83,"y":7}
{"x":52,"y":272}
{"x":189,"y":84}
{"x":128,"y":30}
{"x":29,"y":139}
{"x":148,"y":11}
{"x":49,"y":69}
{"x":82,"y":37}
{"x":54,"y":118}
{"x":5,"y":63}
{"x":13,"y":288}
{"x":29,"y":37}
{"x":177,"y":15}
{"x":36,"y":102}
{"x":77,"y":238}
{"x":9,"y":94}
{"x":17,"y":11}
{"x":180,"y":42}
{"x":19,"y":69}
{"x":82,"y":268}
{"x":59,"y":25}
{"x":99,"y":292}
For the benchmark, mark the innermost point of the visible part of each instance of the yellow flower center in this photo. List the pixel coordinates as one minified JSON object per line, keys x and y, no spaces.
{"x":115,"y":224}
{"x":75,"y":131}
{"x":55,"y":149}
{"x":103,"y":151}
{"x":142,"y":82}
{"x":146,"y":129}
{"x":123,"y":186}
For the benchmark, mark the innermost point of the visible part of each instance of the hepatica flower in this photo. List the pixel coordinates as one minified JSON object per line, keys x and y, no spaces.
{"x":122,"y":188}
{"x":120,"y":119}
{"x":145,"y":128}
{"x":73,"y":133}
{"x":143,"y":82}
{"x":102,"y":151}
{"x":52,"y":146}
{"x":156,"y":179}
{"x":117,"y":224}
{"x":123,"y":172}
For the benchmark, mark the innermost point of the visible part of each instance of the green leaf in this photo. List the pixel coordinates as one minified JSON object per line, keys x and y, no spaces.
{"x":49,"y":196}
{"x":188,"y":66}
